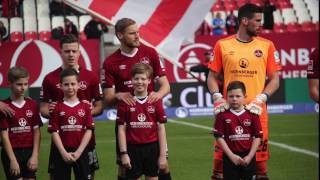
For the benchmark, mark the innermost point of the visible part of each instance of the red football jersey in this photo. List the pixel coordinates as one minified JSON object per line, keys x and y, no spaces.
{"x":118,"y":66}
{"x":313,"y":66}
{"x":90,"y":89}
{"x":71,"y":122}
{"x":237,"y":129}
{"x":89,"y":86}
{"x":141,"y":120}
{"x":20,"y":127}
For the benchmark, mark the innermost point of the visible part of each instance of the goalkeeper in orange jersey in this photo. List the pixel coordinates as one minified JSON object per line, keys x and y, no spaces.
{"x":251,"y":59}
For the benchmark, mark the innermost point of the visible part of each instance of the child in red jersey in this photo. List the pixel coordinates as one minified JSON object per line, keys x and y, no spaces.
{"x":141,"y":131}
{"x":239,"y":133}
{"x":71,"y":126}
{"x":20,"y":133}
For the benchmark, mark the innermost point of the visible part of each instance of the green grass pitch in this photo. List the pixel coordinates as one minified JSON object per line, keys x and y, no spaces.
{"x":190,"y":149}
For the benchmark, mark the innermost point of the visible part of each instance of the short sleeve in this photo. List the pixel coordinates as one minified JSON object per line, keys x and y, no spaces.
{"x":273,"y":60}
{"x":36,"y":119}
{"x":89,"y":123}
{"x":257,"y":130}
{"x":44,"y":90}
{"x":216,"y":64}
{"x":53,"y":125}
{"x":161,"y":114}
{"x":313,"y":66}
{"x":108,"y":79}
{"x":3,"y":122}
{"x":121,"y":113}
{"x":218,"y":129}
{"x":158,"y":66}
{"x":96,"y":90}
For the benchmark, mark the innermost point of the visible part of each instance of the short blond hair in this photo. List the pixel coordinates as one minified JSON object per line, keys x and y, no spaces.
{"x":15,"y":73}
{"x":142,"y":68}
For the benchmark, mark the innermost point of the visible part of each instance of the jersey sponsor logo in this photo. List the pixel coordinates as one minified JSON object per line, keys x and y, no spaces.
{"x":258,"y":53}
{"x":145,"y":60}
{"x":228,"y":121}
{"x":151,"y":109}
{"x":81,"y":113}
{"x":22,"y":122}
{"x":239,"y":135}
{"x":141,"y":117}
{"x":238,"y":130}
{"x":123,"y":67}
{"x":72,"y":120}
{"x":243,"y":63}
{"x":247,"y":122}
{"x":29,"y":113}
{"x":83,"y":85}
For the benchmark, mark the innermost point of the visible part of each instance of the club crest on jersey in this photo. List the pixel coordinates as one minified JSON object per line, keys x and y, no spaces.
{"x":145,"y":60}
{"x":72,"y":120}
{"x":29,"y":113}
{"x":228,"y":121}
{"x":151,"y":109}
{"x":83,"y":85}
{"x":141,"y":117}
{"x":247,"y":122}
{"x":258,"y":53}
{"x":239,"y":130}
{"x":81,"y":113}
{"x":22,"y":122}
{"x":122,"y":67}
{"x":243,"y":63}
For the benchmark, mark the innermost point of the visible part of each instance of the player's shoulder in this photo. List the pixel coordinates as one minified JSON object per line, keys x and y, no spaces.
{"x":54,"y":73}
{"x":113,"y":57}
{"x":264,"y":40}
{"x":227,"y":39}
{"x":146,"y":49}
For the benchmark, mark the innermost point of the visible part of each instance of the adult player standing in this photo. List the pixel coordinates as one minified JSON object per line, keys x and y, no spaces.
{"x":313,"y":75}
{"x":90,"y":90}
{"x":250,"y":59}
{"x":117,"y":80}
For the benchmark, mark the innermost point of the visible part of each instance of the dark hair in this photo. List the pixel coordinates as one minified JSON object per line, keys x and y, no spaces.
{"x":68,"y":72}
{"x":141,"y":68}
{"x":68,"y":38}
{"x":122,"y":24}
{"x":248,"y":10}
{"x":236,"y":85}
{"x":15,"y":73}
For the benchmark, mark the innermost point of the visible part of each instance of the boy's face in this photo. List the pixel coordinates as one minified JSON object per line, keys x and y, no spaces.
{"x":70,"y":86}
{"x":20,"y":86}
{"x":140,"y":83}
{"x":235,"y":98}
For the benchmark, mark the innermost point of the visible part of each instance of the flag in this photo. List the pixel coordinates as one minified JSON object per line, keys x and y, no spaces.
{"x":164,"y":24}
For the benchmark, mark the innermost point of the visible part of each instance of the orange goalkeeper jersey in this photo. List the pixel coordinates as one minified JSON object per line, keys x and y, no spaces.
{"x":249,"y":62}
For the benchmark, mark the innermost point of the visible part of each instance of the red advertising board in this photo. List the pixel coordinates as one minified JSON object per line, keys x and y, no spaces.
{"x":40,"y":58}
{"x":293,"y":48}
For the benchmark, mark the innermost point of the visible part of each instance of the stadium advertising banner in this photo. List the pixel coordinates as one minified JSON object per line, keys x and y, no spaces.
{"x":40,"y":58}
{"x":293,"y":49}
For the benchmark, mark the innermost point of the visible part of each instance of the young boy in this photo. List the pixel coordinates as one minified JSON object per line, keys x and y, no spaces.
{"x":71,"y":126}
{"x":141,"y":131}
{"x":20,"y":133}
{"x":239,"y":133}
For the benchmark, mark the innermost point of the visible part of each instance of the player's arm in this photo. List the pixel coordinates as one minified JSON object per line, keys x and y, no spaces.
{"x":237,"y":160}
{"x":66,"y":156}
{"x":14,"y":166}
{"x":163,"y":90}
{"x":6,"y":110}
{"x":314,"y":89}
{"x":254,"y":147}
{"x":162,"y":145}
{"x":273,"y":84}
{"x":97,"y":108}
{"x":33,"y":161}
{"x":125,"y":159}
{"x":84,"y":142}
{"x":111,"y":97}
{"x":212,"y":82}
{"x":47,"y":108}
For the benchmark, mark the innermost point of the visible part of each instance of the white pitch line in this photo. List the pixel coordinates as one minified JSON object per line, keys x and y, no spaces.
{"x":281,"y":145}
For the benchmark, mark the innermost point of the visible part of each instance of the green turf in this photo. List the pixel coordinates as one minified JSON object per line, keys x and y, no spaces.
{"x":191,"y":149}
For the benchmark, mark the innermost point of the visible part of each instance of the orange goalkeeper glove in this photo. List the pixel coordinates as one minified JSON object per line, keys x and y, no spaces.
{"x":255,"y":106}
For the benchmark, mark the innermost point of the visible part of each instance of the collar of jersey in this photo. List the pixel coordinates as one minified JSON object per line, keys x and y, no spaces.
{"x":140,"y":101}
{"x":131,"y":54}
{"x":71,"y":104}
{"x":237,"y":113}
{"x":18,"y":105}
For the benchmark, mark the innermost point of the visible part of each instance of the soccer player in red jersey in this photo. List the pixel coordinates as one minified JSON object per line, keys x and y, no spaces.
{"x":253,"y":60}
{"x":118,"y":80}
{"x":89,"y":91}
{"x":313,"y":75}
{"x":71,"y":127}
{"x":141,"y":131}
{"x":238,"y":133}
{"x":21,"y":133}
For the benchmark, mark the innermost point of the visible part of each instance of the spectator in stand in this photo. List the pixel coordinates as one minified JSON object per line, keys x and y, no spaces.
{"x":3,"y":32}
{"x":268,"y":9}
{"x":218,"y":24}
{"x":231,"y":23}
{"x":70,"y":28}
{"x":56,"y":8}
{"x":12,"y":8}
{"x":94,"y":29}
{"x":57,"y":33}
{"x":204,"y":29}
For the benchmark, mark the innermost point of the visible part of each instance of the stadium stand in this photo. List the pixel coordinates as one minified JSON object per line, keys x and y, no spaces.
{"x":83,"y":20}
{"x":16,"y":29}
{"x":44,"y":28}
{"x":30,"y":28}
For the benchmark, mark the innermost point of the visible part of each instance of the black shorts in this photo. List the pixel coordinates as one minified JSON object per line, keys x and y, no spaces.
{"x":92,"y":159}
{"x":22,"y":155}
{"x":144,"y":160}
{"x":233,"y":172}
{"x":62,"y":170}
